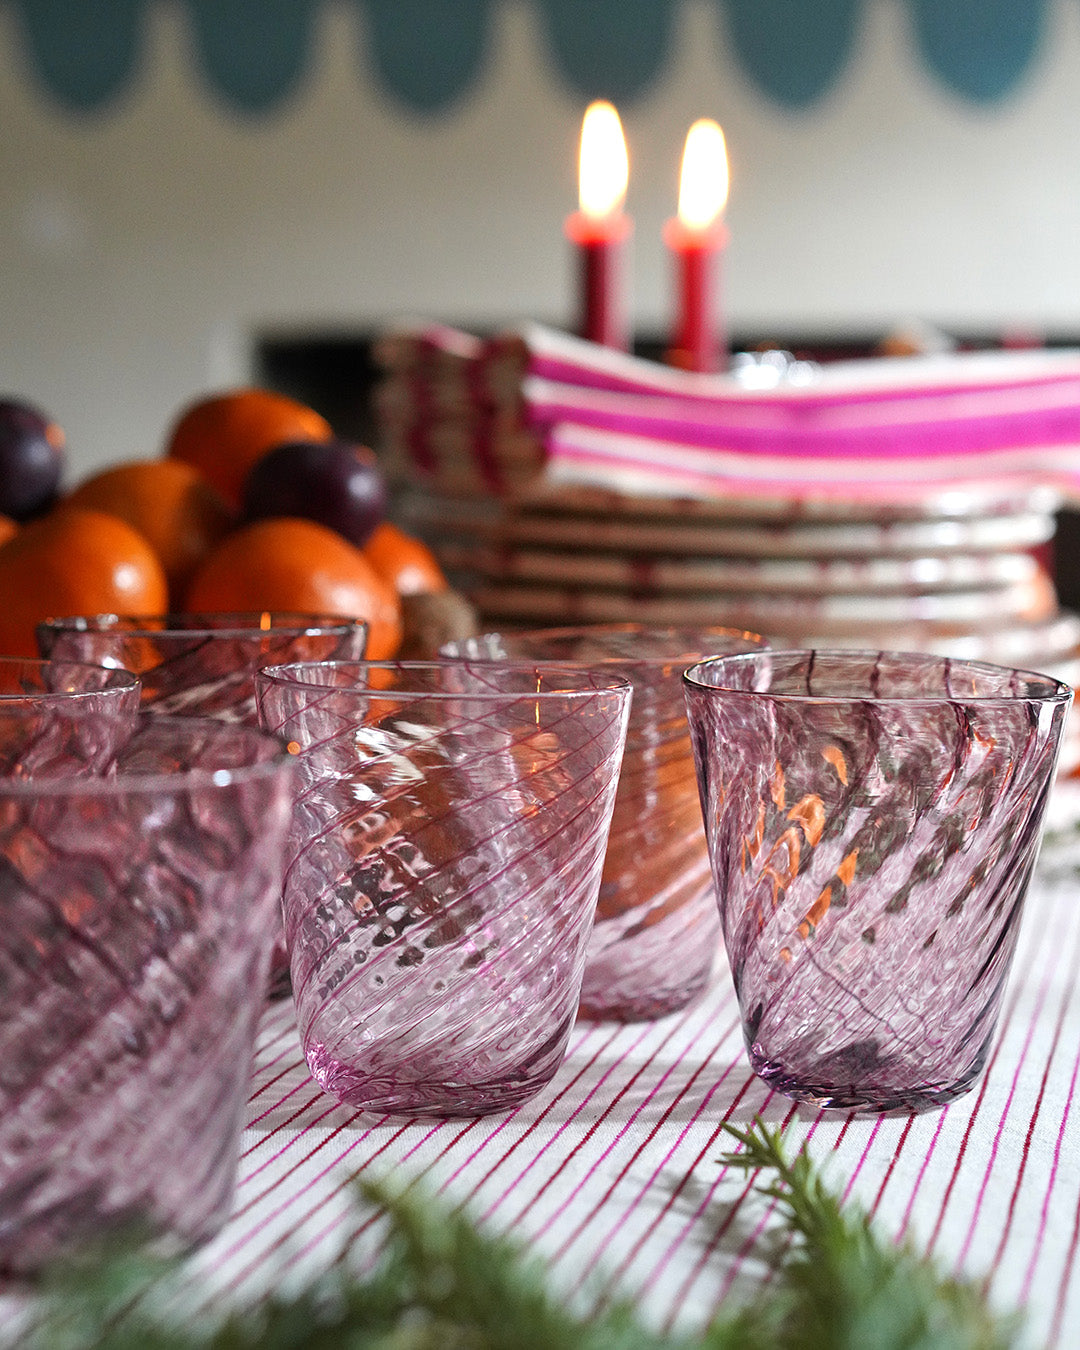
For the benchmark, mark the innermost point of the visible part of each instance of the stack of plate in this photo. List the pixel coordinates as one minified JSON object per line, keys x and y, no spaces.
{"x":913,"y":560}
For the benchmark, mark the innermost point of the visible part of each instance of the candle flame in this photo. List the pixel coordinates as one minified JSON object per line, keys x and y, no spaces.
{"x":603,"y":164}
{"x":703,"y":183}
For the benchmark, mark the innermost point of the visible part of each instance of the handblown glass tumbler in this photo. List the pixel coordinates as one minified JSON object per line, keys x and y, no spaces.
{"x":62,"y":717}
{"x":873,"y":820}
{"x":133,"y":957}
{"x":202,"y":665}
{"x":447,"y":843}
{"x":656,"y":939}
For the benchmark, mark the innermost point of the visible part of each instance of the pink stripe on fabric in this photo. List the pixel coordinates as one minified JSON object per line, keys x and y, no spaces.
{"x":264,"y":1061}
{"x":267,"y":1078}
{"x":748,"y":1083}
{"x":1055,"y":1165}
{"x":586,"y":1175}
{"x":306,"y":1082}
{"x":601,"y":1200}
{"x":351,"y":1236}
{"x":904,"y":1133}
{"x":618,"y":1270}
{"x":1074,"y":1237}
{"x":906,"y":1220}
{"x":1048,"y":969}
{"x":277,"y":1104}
{"x":246,"y":1180}
{"x":614,"y":1031}
{"x":264,"y":1219}
{"x":1003,"y":1024}
{"x":846,"y":1193}
{"x":710,"y":1247}
{"x":636,"y":376}
{"x":1033,"y":1121}
{"x":557,"y":1136}
{"x":755,"y":1237}
{"x":317,"y":1238}
{"x":417,"y":1177}
{"x":574,"y":444}
{"x":356,"y":1232}
{"x":808,"y":414}
{"x":302,"y":1216}
{"x":908,"y":440}
{"x":327,"y":1139}
{"x":243,"y":1240}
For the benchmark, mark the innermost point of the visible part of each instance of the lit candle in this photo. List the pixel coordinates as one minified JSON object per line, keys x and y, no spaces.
{"x":599,"y":227}
{"x":696,"y":238}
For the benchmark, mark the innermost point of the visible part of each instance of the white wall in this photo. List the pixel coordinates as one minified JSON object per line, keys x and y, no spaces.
{"x":141,"y":249}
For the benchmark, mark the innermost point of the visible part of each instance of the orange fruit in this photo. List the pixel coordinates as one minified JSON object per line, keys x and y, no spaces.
{"x":286,"y":563}
{"x":74,"y":561}
{"x":223,"y":434}
{"x":404,"y":561}
{"x":8,"y":527}
{"x":169,"y":502}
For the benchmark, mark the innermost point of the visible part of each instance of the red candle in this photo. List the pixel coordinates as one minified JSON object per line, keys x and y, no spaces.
{"x":599,"y":228}
{"x":696,"y":238}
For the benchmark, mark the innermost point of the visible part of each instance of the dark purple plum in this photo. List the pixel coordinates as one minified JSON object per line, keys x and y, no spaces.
{"x":31,"y":459}
{"x":335,"y":483}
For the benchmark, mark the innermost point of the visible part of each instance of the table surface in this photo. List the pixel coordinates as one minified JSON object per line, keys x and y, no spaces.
{"x":612,"y":1173}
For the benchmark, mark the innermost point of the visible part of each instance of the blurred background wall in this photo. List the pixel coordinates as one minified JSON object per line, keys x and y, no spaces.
{"x":149,"y":245}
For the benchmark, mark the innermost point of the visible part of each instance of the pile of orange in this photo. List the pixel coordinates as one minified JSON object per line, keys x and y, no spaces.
{"x":154,"y":535}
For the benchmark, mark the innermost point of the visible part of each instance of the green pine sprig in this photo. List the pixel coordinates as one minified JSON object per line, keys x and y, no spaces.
{"x":441,"y":1284}
{"x":848,"y":1288}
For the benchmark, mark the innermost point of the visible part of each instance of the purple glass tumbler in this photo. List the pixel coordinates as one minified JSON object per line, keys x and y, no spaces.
{"x":133,"y":956}
{"x":448,"y":838}
{"x":203,"y":665}
{"x":62,"y":717}
{"x":873,"y":821}
{"x":656,"y":938}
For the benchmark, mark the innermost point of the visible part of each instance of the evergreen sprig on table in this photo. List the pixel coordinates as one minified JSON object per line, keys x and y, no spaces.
{"x":441,"y":1284}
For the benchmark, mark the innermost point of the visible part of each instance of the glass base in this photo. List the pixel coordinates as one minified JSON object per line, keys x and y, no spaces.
{"x":445,"y":1094}
{"x":897,"y":1091}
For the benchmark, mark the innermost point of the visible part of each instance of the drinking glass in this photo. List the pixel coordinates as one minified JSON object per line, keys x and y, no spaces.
{"x":873,"y":820}
{"x":133,"y":958}
{"x":62,"y":717}
{"x":447,"y":843}
{"x":202,"y":664}
{"x":656,"y":939}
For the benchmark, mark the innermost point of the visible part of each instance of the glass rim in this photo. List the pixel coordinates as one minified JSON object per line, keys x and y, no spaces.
{"x":600,"y":630}
{"x":206,"y":623}
{"x":1052,"y":689}
{"x":282,"y":676}
{"x":121,"y":681}
{"x":196,"y":778}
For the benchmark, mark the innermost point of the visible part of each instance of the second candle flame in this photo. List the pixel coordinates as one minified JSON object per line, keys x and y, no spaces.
{"x":603,"y":163}
{"x":704,"y":180}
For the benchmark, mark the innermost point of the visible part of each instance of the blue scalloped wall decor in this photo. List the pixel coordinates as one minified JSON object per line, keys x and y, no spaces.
{"x":254,"y":54}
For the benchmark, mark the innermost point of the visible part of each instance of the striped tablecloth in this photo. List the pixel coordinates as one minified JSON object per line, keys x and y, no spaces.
{"x":612,"y":1173}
